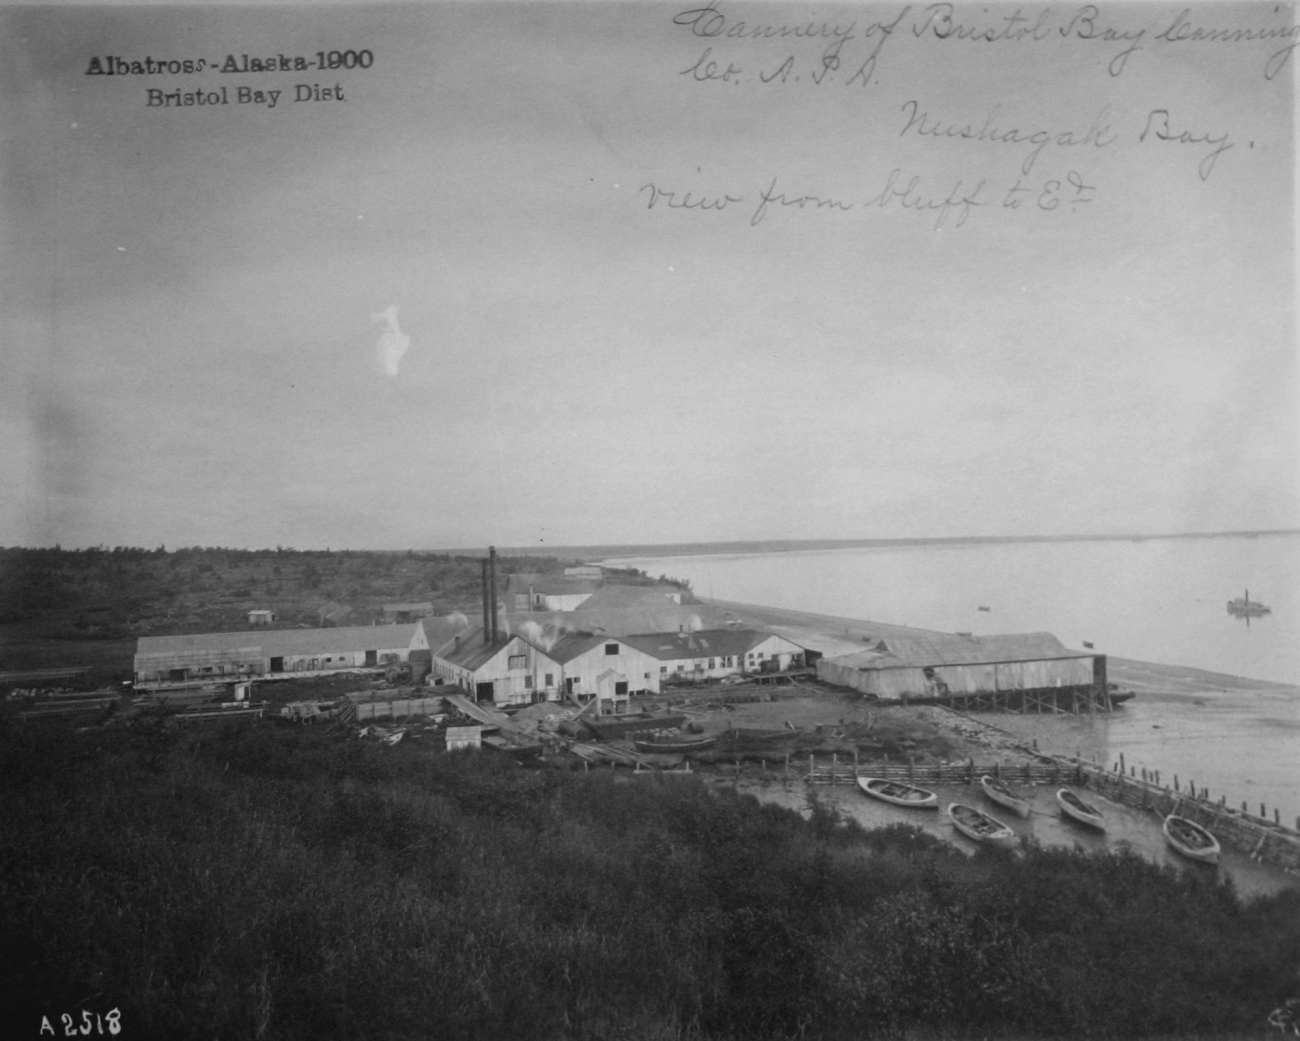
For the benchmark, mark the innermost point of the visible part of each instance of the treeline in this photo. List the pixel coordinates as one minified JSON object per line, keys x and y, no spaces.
{"x":127,"y":591}
{"x":293,"y":883}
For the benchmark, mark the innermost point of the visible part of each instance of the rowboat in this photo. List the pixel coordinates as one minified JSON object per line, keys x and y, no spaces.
{"x":1191,"y":840}
{"x":979,"y":826}
{"x":1077,"y":809}
{"x":899,"y":794}
{"x":1004,"y":796}
{"x":696,"y":744}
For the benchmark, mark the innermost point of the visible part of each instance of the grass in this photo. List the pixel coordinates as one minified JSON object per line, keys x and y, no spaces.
{"x":297,"y":883}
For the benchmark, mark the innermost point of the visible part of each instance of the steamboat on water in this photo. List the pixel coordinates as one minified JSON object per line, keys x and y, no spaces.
{"x":1245,"y":607}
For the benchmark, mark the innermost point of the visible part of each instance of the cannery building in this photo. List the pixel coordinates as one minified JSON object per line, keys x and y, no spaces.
{"x":214,"y":657}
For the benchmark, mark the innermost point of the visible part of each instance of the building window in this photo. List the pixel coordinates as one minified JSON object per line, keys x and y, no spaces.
{"x":611,"y":648}
{"x":528,"y":682}
{"x":712,"y":664}
{"x":550,"y":679}
{"x":663,"y":669}
{"x":681,"y":668}
{"x":518,"y":661}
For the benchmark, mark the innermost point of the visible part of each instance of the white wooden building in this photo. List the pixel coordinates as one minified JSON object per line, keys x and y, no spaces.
{"x":896,"y":667}
{"x":506,"y":671}
{"x":715,"y":653}
{"x":218,"y":657}
{"x":606,"y":668}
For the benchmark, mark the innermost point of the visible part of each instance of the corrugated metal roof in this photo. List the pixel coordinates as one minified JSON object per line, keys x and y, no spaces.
{"x":942,"y":649}
{"x":709,"y":643}
{"x":275,"y":643}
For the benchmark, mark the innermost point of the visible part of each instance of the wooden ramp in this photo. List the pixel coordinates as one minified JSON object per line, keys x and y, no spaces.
{"x":474,"y":710}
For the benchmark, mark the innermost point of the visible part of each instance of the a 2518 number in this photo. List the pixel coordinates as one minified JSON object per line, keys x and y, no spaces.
{"x":344,"y":60}
{"x":111,"y":1019}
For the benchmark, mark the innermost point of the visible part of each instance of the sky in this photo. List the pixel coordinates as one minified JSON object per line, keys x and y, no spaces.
{"x":520,"y":286}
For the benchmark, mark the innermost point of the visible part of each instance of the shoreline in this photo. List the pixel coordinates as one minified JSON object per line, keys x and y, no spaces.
{"x":1150,"y":679}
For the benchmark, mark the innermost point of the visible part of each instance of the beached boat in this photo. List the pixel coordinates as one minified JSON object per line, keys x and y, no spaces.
{"x":1083,"y":812}
{"x":1004,"y":796}
{"x":675,"y":745}
{"x":1191,"y":840}
{"x":979,"y":826}
{"x":899,"y":794}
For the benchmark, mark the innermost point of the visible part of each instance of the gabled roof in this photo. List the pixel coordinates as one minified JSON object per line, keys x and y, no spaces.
{"x":472,"y":650}
{"x":943,"y":649}
{"x":709,"y":643}
{"x":442,"y":631}
{"x":561,"y":586}
{"x":619,"y":621}
{"x":572,"y":646}
{"x":617,"y":597}
{"x":274,"y":643}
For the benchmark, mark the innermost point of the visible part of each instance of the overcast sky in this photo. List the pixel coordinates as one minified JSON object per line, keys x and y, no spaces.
{"x":444,"y":312}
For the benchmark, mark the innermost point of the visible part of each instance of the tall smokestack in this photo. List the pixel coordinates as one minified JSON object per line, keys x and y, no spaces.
{"x":487,"y":613}
{"x":492,"y":590}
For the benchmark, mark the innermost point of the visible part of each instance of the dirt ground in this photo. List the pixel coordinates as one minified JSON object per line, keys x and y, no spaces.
{"x":821,"y":719}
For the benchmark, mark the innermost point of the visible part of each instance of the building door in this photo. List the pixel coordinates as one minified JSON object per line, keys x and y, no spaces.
{"x":277,"y":665}
{"x":176,"y":675}
{"x":620,"y":689}
{"x":485,"y":691}
{"x":372,"y":657}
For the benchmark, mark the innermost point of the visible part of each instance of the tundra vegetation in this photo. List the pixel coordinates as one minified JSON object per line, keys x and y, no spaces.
{"x":284,"y":882}
{"x":87,"y":607}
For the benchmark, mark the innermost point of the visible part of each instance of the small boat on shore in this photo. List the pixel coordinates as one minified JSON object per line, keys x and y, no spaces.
{"x":676,"y":746}
{"x":1076,"y":809}
{"x":1004,"y":796}
{"x":1191,"y":840}
{"x":899,"y":794}
{"x":979,"y":826}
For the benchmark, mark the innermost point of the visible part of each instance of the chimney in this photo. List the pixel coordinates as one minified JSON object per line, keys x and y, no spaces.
{"x":492,"y":589}
{"x":487,"y":613}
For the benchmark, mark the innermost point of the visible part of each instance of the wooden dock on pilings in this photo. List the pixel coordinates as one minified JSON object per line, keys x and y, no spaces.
{"x":1079,"y":700}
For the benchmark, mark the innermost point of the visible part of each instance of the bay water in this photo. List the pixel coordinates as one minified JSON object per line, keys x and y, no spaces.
{"x":1151,"y":599}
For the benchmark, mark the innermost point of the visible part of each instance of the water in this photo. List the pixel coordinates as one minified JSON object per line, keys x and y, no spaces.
{"x":1158,"y":600}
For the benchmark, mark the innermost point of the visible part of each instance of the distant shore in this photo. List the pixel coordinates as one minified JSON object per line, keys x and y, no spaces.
{"x":695,"y":549}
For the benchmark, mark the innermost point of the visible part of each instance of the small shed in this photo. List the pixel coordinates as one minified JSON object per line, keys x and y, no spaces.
{"x":261,"y":617}
{"x":464,"y":737}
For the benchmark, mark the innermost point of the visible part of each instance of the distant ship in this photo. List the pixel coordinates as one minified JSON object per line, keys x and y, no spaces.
{"x":1245,"y":607}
